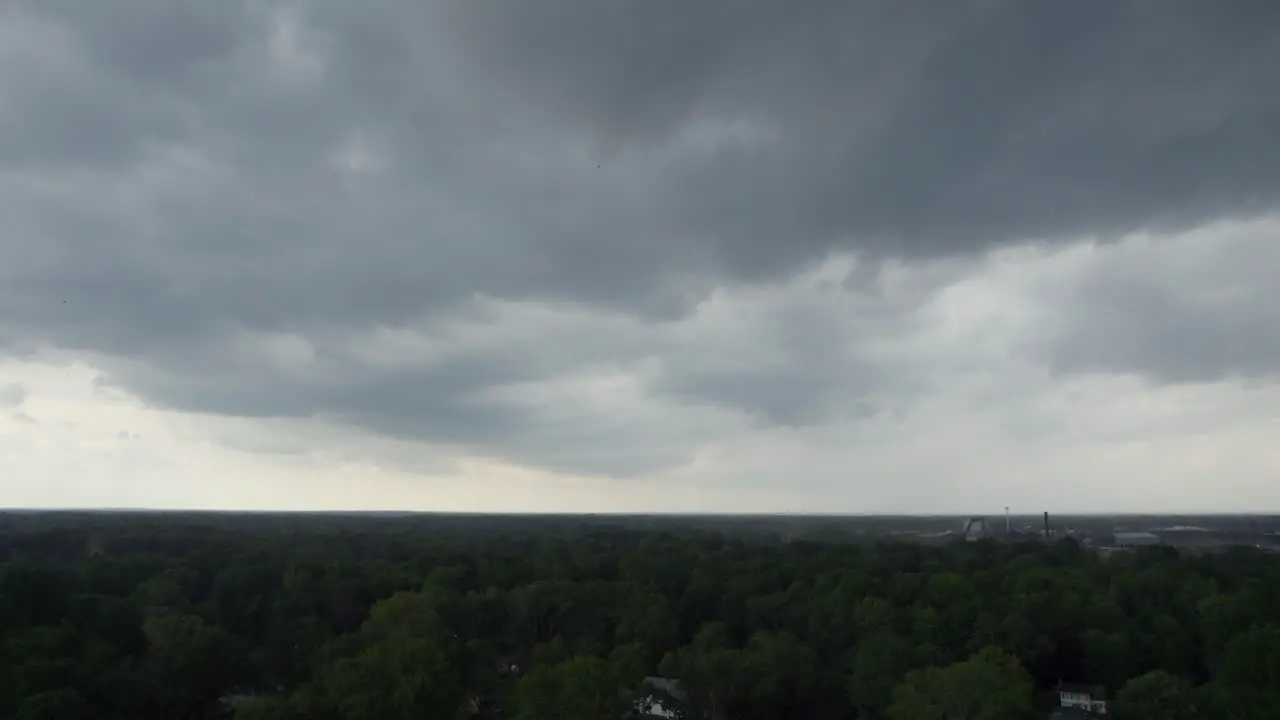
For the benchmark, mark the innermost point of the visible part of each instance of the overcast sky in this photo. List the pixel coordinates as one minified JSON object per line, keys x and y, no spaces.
{"x":626,"y":255}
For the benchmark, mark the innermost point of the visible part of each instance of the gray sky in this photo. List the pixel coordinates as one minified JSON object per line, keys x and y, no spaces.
{"x":732,"y":255}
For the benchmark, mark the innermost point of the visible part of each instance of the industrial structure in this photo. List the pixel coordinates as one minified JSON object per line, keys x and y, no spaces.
{"x":1135,"y":539}
{"x":975,"y":528}
{"x":1124,"y":536}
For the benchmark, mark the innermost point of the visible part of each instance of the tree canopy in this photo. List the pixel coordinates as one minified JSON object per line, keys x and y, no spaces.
{"x":186,"y":620}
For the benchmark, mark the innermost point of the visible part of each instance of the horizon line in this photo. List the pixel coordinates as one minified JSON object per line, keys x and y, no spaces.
{"x":636,"y":513}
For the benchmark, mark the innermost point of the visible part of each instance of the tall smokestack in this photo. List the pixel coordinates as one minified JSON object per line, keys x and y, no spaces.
{"x":1006,"y":520}
{"x":1046,"y":524}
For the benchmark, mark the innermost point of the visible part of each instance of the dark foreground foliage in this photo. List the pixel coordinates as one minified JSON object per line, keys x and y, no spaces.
{"x":183,"y":621}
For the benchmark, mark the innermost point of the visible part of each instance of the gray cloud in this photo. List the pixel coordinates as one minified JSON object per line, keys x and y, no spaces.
{"x":173,"y":176}
{"x":12,"y":395}
{"x":1192,"y":317}
{"x":909,"y":129}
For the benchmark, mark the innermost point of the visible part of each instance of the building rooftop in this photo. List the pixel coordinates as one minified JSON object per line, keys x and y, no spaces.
{"x":1097,"y":692}
{"x":1136,"y":537}
{"x":666,"y":685}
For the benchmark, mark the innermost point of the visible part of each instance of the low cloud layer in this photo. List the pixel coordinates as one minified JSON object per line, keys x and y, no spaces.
{"x":622,"y":240}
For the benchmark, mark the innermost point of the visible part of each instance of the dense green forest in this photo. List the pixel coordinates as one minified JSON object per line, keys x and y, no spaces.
{"x":180,"y":621}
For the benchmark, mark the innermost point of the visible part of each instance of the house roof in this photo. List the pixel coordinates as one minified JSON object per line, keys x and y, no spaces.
{"x":666,"y":685}
{"x":1136,"y":536}
{"x":1097,"y":692}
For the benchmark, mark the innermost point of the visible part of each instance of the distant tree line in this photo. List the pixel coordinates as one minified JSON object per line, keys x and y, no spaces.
{"x":254,"y":622}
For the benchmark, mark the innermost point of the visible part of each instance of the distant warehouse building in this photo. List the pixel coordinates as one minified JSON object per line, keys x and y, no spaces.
{"x":1136,"y":539}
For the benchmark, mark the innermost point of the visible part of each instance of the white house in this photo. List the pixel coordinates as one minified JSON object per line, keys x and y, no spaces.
{"x":659,"y":698}
{"x":1088,"y":698}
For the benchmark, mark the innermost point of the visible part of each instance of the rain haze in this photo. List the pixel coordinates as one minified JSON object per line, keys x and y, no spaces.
{"x":728,"y":255}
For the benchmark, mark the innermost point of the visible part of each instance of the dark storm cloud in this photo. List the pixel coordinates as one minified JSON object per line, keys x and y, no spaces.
{"x":916,"y":128}
{"x":441,"y":402}
{"x":434,"y":401}
{"x":173,"y":172}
